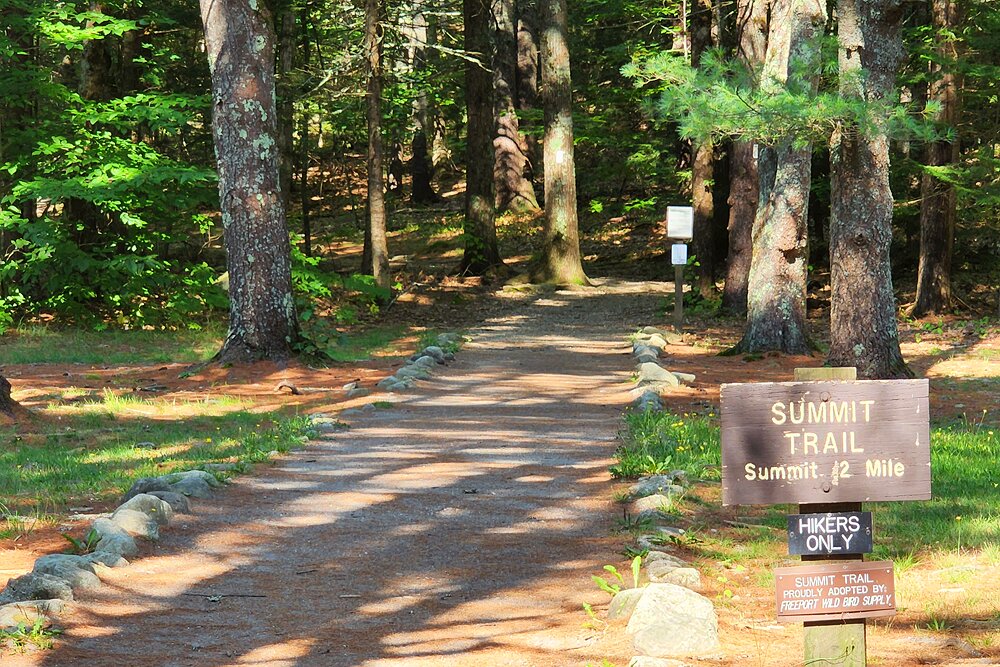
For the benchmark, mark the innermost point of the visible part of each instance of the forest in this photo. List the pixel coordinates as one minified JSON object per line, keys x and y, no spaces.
{"x":835,"y":153}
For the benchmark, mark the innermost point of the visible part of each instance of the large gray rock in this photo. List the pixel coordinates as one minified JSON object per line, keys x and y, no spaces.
{"x":36,"y":586}
{"x":661,"y":572}
{"x":426,"y":361}
{"x":114,"y":540}
{"x":16,"y":613}
{"x":623,"y":603}
{"x":655,"y":502}
{"x":668,"y":485}
{"x":651,"y":373}
{"x":178,"y":503}
{"x":150,"y":505}
{"x":77,"y":571}
{"x":191,"y":486}
{"x":137,"y":524}
{"x":100,"y":559}
{"x":434,"y":351}
{"x":639,"y":349}
{"x":673,"y":621}
{"x":660,"y":556}
{"x":657,"y":341}
{"x":686,"y":378}
{"x":413,"y":372}
{"x":646,"y":358}
{"x":387,"y":382}
{"x":146,"y":485}
{"x":206,"y":477}
{"x":358,"y":392}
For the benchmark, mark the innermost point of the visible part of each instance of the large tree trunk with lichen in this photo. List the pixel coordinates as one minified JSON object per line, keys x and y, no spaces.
{"x":560,"y":261}
{"x":482,"y":254}
{"x":776,"y":294}
{"x":702,"y":162}
{"x":863,"y":329}
{"x":375,"y":255}
{"x":240,"y":44}
{"x":512,"y":171}
{"x":937,"y":198}
{"x":751,"y":31}
{"x":286,"y":103}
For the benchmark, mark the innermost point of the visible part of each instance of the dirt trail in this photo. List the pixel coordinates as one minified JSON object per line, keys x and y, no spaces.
{"x":459,"y":526}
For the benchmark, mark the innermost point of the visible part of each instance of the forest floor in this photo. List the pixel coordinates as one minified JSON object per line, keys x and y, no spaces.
{"x":459,"y":524}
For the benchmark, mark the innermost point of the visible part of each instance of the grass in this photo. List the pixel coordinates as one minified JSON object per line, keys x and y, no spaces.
{"x":362,"y":346}
{"x":36,"y":635}
{"x":657,"y":442}
{"x":49,"y":345}
{"x":92,"y":452}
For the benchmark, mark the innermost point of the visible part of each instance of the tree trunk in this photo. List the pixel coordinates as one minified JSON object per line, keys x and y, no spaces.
{"x":286,"y":102}
{"x":702,"y":158}
{"x":863,"y":330}
{"x":526,"y":86}
{"x":375,"y":257}
{"x":240,"y":46}
{"x":421,"y":169}
{"x":560,"y":259}
{"x":481,"y":251}
{"x":776,"y":295}
{"x":512,"y":172}
{"x":937,"y":198}
{"x":751,"y":31}
{"x":8,"y":406}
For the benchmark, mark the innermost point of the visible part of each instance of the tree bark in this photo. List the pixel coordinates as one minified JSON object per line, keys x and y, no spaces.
{"x":512,"y":171}
{"x":421,"y":169}
{"x":937,"y":198}
{"x":776,"y":295}
{"x":286,"y":102}
{"x":240,"y":46}
{"x":560,"y":261}
{"x":526,"y":85}
{"x":8,"y":406}
{"x":863,"y":329}
{"x":702,"y":158}
{"x":375,"y":257}
{"x":751,"y":31}
{"x":482,"y":253}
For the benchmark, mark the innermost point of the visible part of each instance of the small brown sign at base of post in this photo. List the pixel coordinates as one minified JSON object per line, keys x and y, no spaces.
{"x":835,"y":591}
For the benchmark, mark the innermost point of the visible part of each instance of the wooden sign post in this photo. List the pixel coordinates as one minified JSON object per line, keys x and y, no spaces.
{"x":828,"y":442}
{"x":680,"y":228}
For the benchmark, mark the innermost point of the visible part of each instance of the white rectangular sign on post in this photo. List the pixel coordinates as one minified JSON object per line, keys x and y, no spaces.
{"x":680,"y":222}
{"x":679,"y":254}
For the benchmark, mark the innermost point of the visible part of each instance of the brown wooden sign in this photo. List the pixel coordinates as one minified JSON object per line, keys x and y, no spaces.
{"x":825,"y":442}
{"x":838,"y":591}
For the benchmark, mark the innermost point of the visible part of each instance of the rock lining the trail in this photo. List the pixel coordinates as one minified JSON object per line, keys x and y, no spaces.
{"x":420,"y":365}
{"x":652,"y":377}
{"x":673,"y":621}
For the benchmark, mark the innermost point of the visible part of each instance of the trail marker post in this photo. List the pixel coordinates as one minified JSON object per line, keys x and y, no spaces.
{"x":829,"y":443}
{"x":680,"y":228}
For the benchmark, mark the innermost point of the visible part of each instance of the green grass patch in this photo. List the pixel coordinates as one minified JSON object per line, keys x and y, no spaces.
{"x":45,"y":345}
{"x":963,"y":514}
{"x":657,"y":442}
{"x":93,"y":453}
{"x":364,"y":345}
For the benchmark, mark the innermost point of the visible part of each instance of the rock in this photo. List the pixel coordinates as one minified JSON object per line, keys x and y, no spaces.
{"x":687,"y":378}
{"x":145,"y":485}
{"x":649,"y":331}
{"x":647,"y":661}
{"x":662,"y":484}
{"x":114,"y":540}
{"x":150,"y":505}
{"x":413,"y":372}
{"x":655,"y":502}
{"x":178,"y":502}
{"x":673,"y":621}
{"x":387,"y":382}
{"x":192,"y":487}
{"x":650,"y":373}
{"x":207,"y":477}
{"x":400,"y":385}
{"x":145,"y":445}
{"x":449,"y":356}
{"x":646,"y":358}
{"x":220,"y":467}
{"x":100,"y":559}
{"x":17,"y":613}
{"x":328,"y":424}
{"x":137,"y":524}
{"x":623,"y":603}
{"x":434,"y":351}
{"x":688,"y":577}
{"x":657,"y":341}
{"x":649,"y":400}
{"x":426,"y":362}
{"x":349,"y":386}
{"x":78,"y":573}
{"x":639,"y":349}
{"x":660,"y":556}
{"x":664,"y":535}
{"x":36,"y":586}
{"x":358,"y":392}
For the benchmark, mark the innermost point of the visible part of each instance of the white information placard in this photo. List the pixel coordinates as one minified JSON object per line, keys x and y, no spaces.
{"x":680,"y":222}
{"x":679,"y":254}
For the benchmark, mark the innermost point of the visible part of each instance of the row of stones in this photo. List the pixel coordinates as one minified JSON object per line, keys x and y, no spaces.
{"x":666,"y":618}
{"x":419,"y":366}
{"x":647,"y":346}
{"x":54,"y":579}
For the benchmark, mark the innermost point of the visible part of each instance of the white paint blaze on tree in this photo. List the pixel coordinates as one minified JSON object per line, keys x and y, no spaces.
{"x":240,"y":45}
